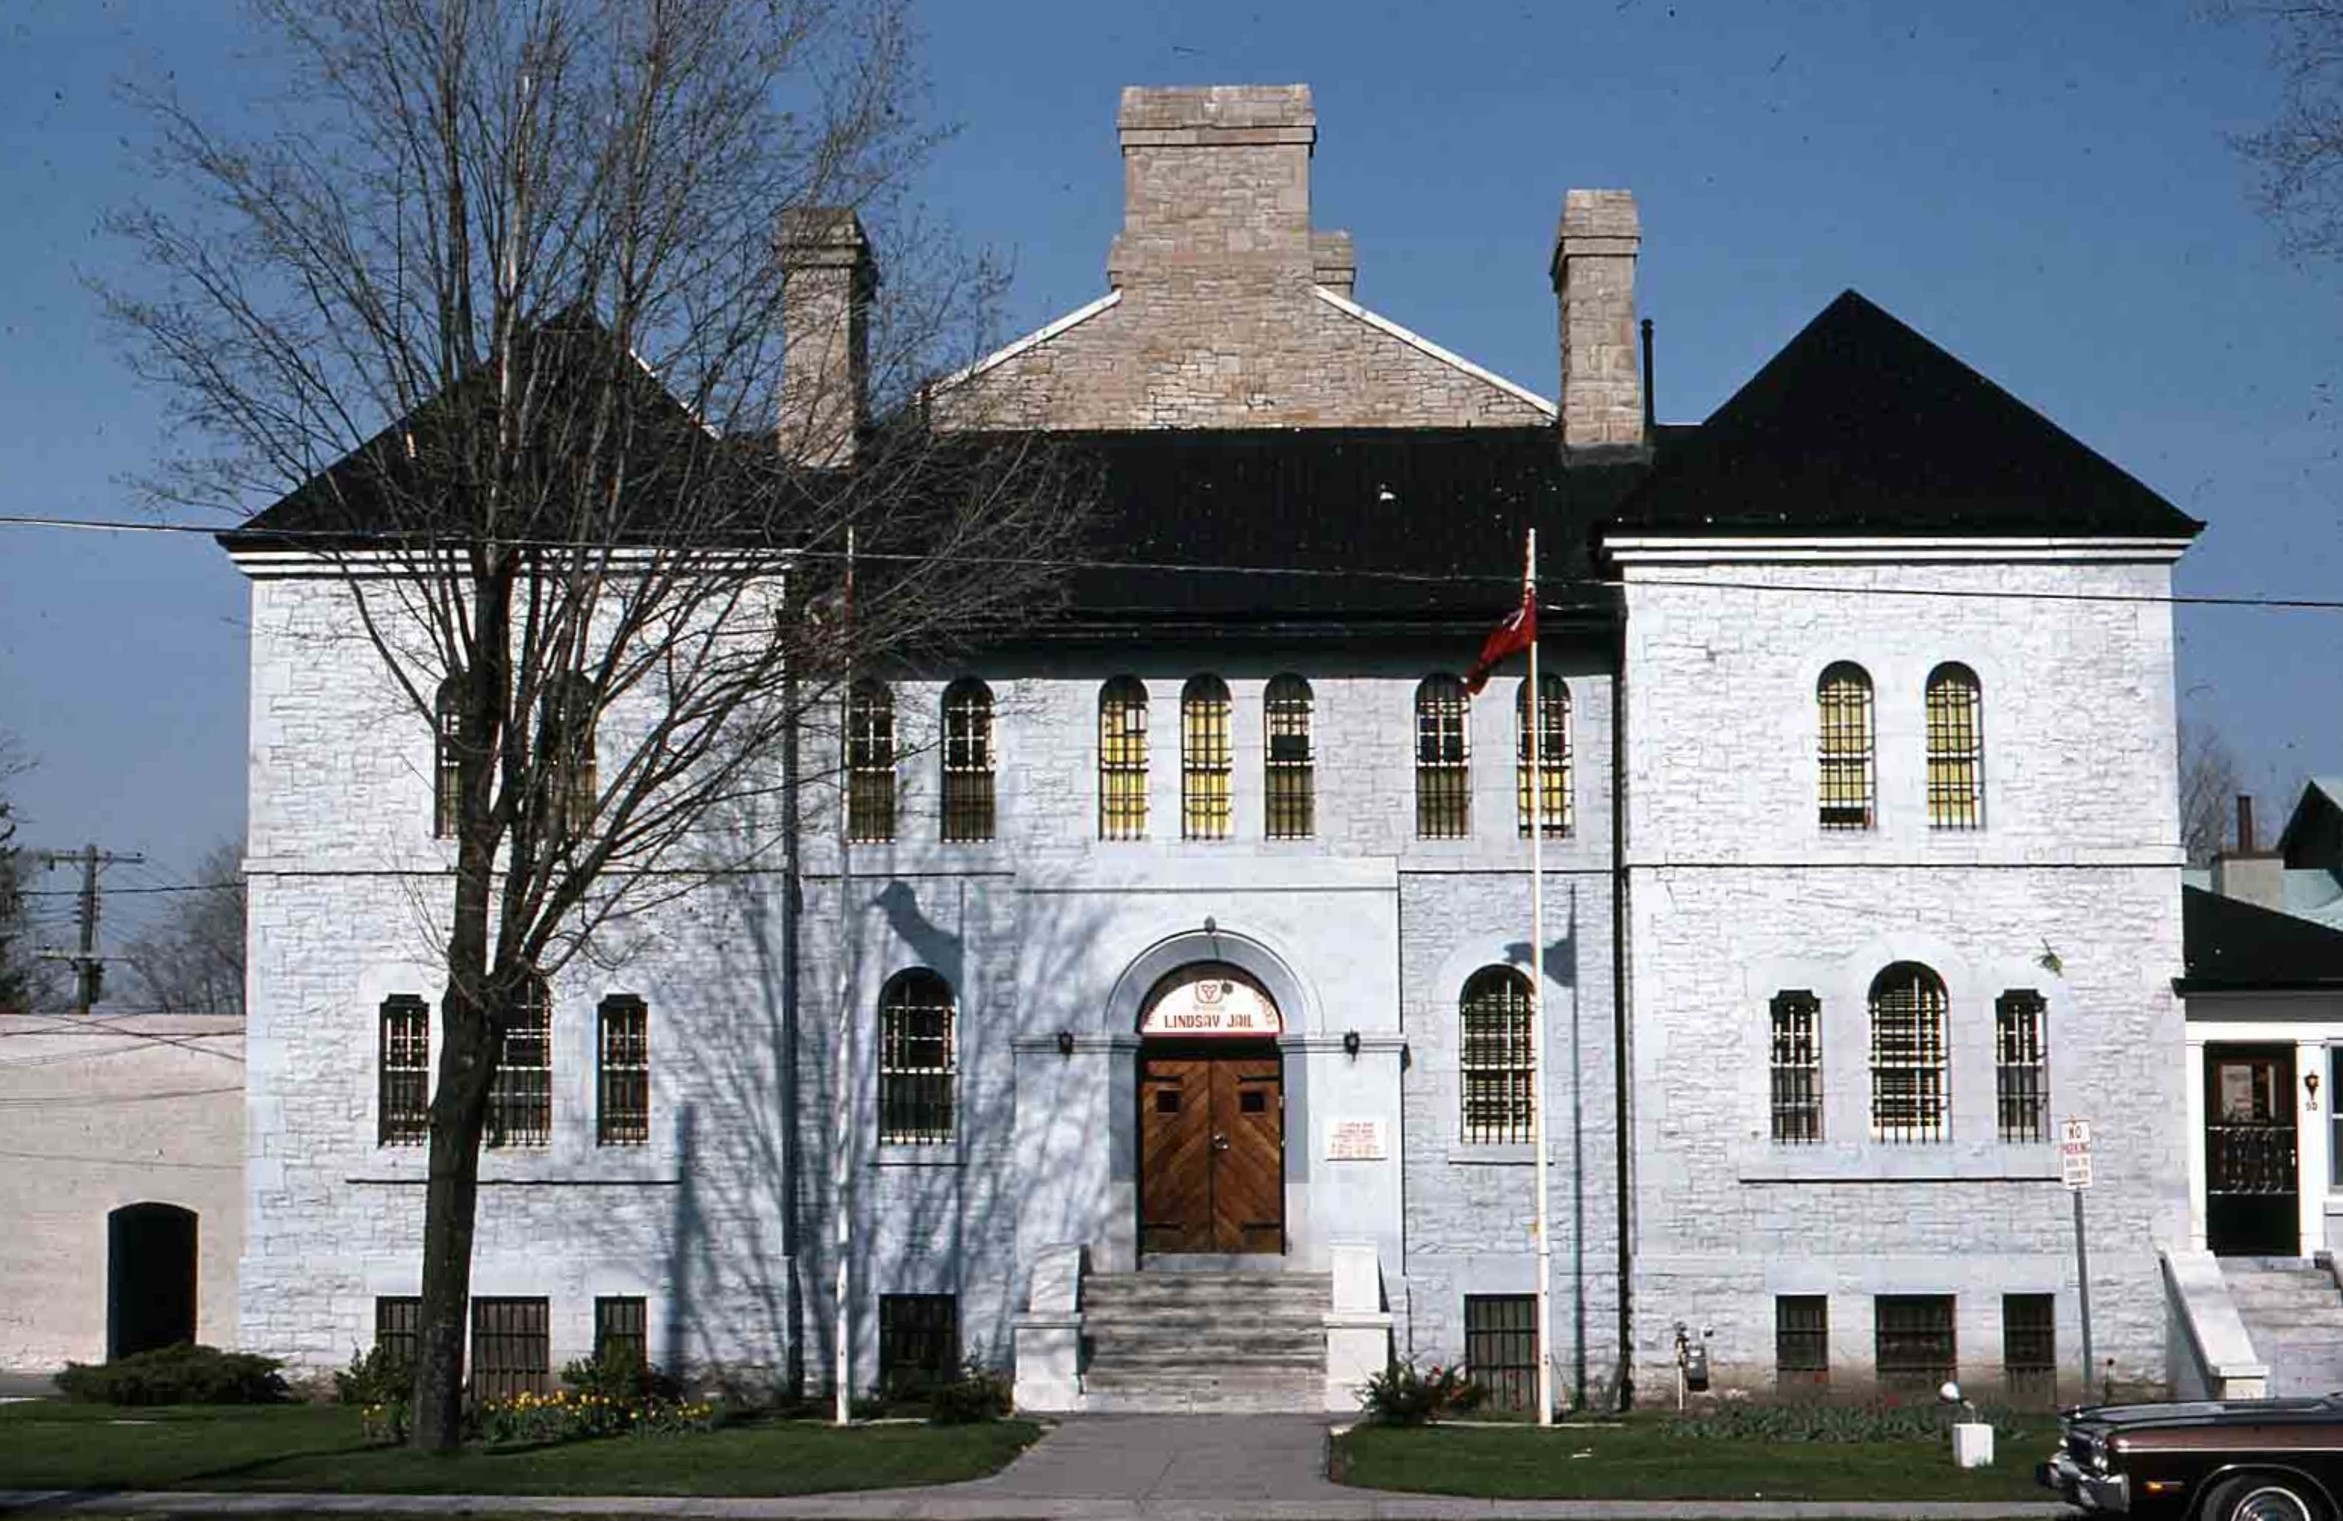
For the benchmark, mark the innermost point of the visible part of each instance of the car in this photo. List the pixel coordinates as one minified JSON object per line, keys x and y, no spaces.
{"x":2209,"y":1460}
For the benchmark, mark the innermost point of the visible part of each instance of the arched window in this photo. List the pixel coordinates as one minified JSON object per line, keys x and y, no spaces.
{"x":447,"y":729}
{"x":1122,"y":760}
{"x":1289,"y":782}
{"x":1443,"y":760}
{"x":1553,"y":786}
{"x":870,"y":763}
{"x":520,"y":1094}
{"x":565,"y":729}
{"x":1205,"y":764}
{"x":1843,"y":697}
{"x":1497,"y":1077}
{"x":1908,"y":1083}
{"x":918,"y":1059}
{"x":1956,"y":749}
{"x":968,"y":760}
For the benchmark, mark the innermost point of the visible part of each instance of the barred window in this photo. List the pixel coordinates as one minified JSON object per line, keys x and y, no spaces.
{"x":1843,"y":697}
{"x":622,"y":1107}
{"x":2029,"y":1350}
{"x":1289,"y":781}
{"x":622,"y":1336}
{"x":403,"y":1073}
{"x":1122,"y":760}
{"x":968,"y":761}
{"x":1956,"y":749}
{"x":446,"y":778}
{"x":919,"y":1341}
{"x":1501,"y":1347}
{"x":520,"y":1094}
{"x":565,"y":736}
{"x":1801,"y":1341}
{"x":1497,"y":1078}
{"x":1912,"y":1341}
{"x":1205,"y":763}
{"x":2021,"y":1066}
{"x":1443,"y":760}
{"x":917,"y":1059}
{"x":1554,"y":802}
{"x":1797,"y":1068}
{"x":398,"y":1328}
{"x":1907,"y":1054}
{"x":870,"y":763}
{"x":510,"y":1348}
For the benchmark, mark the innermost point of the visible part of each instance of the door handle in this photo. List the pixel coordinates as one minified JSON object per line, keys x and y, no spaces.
{"x":1219,"y":1142}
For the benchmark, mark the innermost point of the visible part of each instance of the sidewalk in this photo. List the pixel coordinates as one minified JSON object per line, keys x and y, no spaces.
{"x":1099,"y":1468}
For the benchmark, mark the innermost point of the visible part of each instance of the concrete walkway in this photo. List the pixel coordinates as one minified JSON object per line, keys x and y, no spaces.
{"x":1098,"y":1468}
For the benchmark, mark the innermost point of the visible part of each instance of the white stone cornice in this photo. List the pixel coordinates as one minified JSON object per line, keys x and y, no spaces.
{"x":1814,"y":549}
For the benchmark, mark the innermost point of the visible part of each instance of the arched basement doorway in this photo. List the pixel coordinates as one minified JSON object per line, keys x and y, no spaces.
{"x":150,"y":1278}
{"x":1211,"y":1116}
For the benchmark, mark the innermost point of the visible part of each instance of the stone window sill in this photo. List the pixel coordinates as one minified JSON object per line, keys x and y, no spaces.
{"x":1490,"y":1154}
{"x":899,"y":1154}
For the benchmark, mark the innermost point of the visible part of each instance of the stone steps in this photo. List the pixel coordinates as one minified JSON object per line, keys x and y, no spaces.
{"x":1243,"y":1342}
{"x":2293,"y":1314}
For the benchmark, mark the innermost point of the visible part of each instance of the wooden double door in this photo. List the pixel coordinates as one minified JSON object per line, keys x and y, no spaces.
{"x":1212,"y":1148}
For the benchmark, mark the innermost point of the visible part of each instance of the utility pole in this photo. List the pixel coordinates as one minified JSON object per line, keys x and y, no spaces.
{"x":89,"y":968}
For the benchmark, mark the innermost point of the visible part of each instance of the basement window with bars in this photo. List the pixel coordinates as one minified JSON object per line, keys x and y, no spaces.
{"x":622,"y":1100}
{"x":1122,"y":760}
{"x":2021,"y":1067}
{"x":870,"y":763}
{"x":1801,"y":1341}
{"x":1907,"y":1055}
{"x":918,"y":1063}
{"x":1206,"y":766}
{"x":2029,"y":1350}
{"x":398,"y":1328}
{"x":1843,"y":699}
{"x":520,"y":1094}
{"x":1501,"y":1347}
{"x":1956,"y":749}
{"x":919,"y":1341}
{"x":1289,"y":779}
{"x":510,"y":1348}
{"x":1797,"y":1068}
{"x":1912,"y":1341}
{"x":1497,"y":1081}
{"x":403,"y":1073}
{"x":968,"y":761}
{"x":1443,"y":760}
{"x":622,"y":1336}
{"x":1552,"y":792}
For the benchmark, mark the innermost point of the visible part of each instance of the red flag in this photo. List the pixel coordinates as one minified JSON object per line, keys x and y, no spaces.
{"x":1518,"y":632}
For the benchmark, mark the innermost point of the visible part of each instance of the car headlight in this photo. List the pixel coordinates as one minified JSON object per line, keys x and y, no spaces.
{"x":2101,"y":1454}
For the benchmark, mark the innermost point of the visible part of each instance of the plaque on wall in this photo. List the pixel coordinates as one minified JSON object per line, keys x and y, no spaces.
{"x":1356,"y":1141}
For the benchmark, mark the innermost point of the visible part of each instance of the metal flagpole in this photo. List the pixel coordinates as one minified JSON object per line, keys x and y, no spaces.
{"x":1536,"y":709}
{"x":842,"y":1052}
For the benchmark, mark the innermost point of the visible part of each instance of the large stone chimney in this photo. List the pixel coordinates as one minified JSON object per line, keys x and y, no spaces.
{"x":2247,"y":874}
{"x":1216,"y":178}
{"x":1594,"y":285}
{"x":827,"y":279}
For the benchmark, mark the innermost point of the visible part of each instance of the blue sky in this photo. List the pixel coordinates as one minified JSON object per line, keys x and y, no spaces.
{"x":2047,"y":190}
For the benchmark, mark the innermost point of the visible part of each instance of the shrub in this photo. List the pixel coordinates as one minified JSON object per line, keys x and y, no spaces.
{"x":563,"y":1416}
{"x":1877,"y":1422}
{"x":374,"y":1378}
{"x":186,"y":1374}
{"x":624,"y":1381}
{"x":978,"y":1394}
{"x":1402,"y":1396}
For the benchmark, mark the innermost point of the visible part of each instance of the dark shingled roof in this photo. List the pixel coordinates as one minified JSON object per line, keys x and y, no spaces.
{"x":2229,"y":946}
{"x":1861,"y":426}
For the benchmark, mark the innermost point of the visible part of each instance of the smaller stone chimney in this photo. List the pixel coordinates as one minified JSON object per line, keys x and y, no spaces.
{"x":827,"y":280}
{"x":1594,"y":285}
{"x":1334,"y":263}
{"x":2246,"y":874}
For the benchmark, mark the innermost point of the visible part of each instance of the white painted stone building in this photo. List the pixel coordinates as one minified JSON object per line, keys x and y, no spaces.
{"x":1860,"y":831}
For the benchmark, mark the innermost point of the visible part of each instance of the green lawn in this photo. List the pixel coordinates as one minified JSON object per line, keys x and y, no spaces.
{"x":318,"y":1447}
{"x":1642,"y":1461}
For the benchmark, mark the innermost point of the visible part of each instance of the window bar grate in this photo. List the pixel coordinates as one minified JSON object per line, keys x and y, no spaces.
{"x":1913,"y":1345}
{"x":870,"y":764}
{"x":622,"y":1332}
{"x":510,"y":1348}
{"x":1907,"y":1055}
{"x":1122,"y":760}
{"x":1797,"y":1068}
{"x":1844,"y":698}
{"x":1553,"y":757}
{"x":968,"y":762}
{"x":398,"y":1328}
{"x":2029,"y":1350}
{"x":1956,"y":751}
{"x":1206,"y":766}
{"x":1289,"y":784}
{"x":1501,"y":1347}
{"x":917,"y":1061}
{"x":1443,"y":761}
{"x":623,"y":1103}
{"x":919,"y":1340}
{"x":2021,"y":1067}
{"x":1801,"y":1341}
{"x":1496,"y":1078}
{"x":520,"y":1093}
{"x":403,"y":1102}
{"x":447,"y":776}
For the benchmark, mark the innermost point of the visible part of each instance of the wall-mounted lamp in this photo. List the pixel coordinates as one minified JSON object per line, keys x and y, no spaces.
{"x":1350,"y":1044}
{"x":1407,"y":1056}
{"x":2310,"y":1081}
{"x":1065,"y":1043}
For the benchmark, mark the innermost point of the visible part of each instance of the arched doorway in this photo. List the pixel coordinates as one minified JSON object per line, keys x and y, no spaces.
{"x":150,"y":1278}
{"x":1211,"y":1116}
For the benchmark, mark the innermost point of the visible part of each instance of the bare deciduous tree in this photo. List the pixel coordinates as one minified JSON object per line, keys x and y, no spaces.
{"x":192,"y":961}
{"x":16,"y":973}
{"x":2299,"y":155}
{"x":2209,"y":781}
{"x":495,"y":302}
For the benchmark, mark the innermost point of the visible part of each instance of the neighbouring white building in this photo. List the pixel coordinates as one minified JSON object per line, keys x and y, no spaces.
{"x":1188,"y":934}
